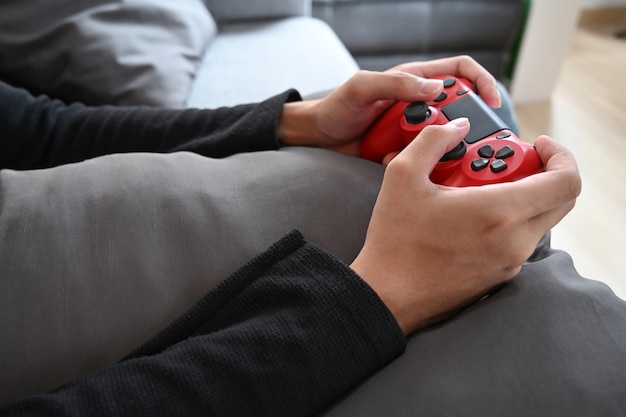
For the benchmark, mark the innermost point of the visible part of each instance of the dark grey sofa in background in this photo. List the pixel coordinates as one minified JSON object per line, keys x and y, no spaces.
{"x":194,"y":53}
{"x":382,"y":33}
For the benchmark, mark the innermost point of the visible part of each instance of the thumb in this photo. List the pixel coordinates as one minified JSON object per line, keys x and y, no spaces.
{"x":432,"y":143}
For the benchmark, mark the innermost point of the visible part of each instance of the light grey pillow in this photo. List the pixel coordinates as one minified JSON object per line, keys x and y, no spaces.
{"x":125,"y":52}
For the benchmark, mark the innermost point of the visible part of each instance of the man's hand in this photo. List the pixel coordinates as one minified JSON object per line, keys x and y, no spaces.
{"x":430,"y":250}
{"x":340,"y":120}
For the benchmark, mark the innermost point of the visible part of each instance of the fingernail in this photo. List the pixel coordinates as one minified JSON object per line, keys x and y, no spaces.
{"x":460,"y":123}
{"x":431,"y":86}
{"x":499,"y":96}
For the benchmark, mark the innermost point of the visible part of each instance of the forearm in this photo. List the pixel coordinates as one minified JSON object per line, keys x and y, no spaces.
{"x":40,"y":132}
{"x":285,"y":336}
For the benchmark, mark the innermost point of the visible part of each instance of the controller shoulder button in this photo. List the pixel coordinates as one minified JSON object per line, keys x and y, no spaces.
{"x":479,"y":164}
{"x":449,"y":82}
{"x":505,"y":152}
{"x":441,"y":97}
{"x":486,"y":151}
{"x":498,"y":166}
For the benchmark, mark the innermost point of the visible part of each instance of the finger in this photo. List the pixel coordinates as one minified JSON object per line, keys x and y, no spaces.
{"x":561,"y":180}
{"x":556,"y":157}
{"x":556,"y":188}
{"x":431,"y":144}
{"x":542,"y":223}
{"x":368,"y":87}
{"x":462,"y":66}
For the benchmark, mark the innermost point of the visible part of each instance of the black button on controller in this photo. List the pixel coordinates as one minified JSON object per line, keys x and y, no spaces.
{"x":479,"y":164}
{"x":486,"y":151}
{"x":498,"y":166}
{"x":505,"y":152}
{"x":416,"y":112}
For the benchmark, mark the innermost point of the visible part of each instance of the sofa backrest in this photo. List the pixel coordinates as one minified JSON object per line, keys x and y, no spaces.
{"x":238,"y":10}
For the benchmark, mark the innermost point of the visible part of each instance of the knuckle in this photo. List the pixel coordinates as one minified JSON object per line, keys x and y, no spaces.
{"x":361,"y":74}
{"x":400,"y":166}
{"x":468,"y":58}
{"x":402,"y":80}
{"x":358,"y":78}
{"x":501,"y":221}
{"x":575,"y":185}
{"x":434,"y":131}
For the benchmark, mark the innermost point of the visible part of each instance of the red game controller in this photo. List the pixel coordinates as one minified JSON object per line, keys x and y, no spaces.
{"x":491,"y":153}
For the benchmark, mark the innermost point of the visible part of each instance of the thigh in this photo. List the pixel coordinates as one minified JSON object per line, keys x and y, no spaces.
{"x":97,"y":257}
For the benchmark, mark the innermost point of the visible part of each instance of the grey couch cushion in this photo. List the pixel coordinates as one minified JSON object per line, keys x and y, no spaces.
{"x":105,"y":51}
{"x":237,"y":10}
{"x":251,"y":61}
{"x":550,"y":343}
{"x":98,"y":256}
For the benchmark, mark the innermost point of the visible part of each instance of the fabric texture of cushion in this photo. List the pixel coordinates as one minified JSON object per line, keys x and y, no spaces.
{"x":125,"y":52}
{"x":109,"y":251}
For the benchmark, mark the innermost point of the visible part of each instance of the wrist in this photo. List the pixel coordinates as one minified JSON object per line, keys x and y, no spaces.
{"x":404,"y":289}
{"x":390,"y":293}
{"x":297,"y":125}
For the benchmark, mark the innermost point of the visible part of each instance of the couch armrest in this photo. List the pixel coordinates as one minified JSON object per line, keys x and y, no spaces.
{"x":238,"y":10}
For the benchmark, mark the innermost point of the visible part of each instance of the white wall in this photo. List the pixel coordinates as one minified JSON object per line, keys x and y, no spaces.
{"x":602,"y":3}
{"x":543,"y":49}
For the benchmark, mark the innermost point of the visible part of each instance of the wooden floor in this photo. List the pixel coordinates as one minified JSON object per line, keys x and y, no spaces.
{"x":587,"y":114}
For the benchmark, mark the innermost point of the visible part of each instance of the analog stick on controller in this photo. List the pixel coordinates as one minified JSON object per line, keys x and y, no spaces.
{"x":417,"y":112}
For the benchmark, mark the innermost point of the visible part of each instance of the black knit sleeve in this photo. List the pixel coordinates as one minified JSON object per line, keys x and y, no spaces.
{"x":284,"y":336}
{"x":38,"y":132}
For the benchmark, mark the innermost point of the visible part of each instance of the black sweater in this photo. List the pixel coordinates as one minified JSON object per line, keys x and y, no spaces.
{"x":284,"y":336}
{"x":40,"y":132}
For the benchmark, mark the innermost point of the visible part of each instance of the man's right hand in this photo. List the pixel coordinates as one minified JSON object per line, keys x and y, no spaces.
{"x":431,"y":250}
